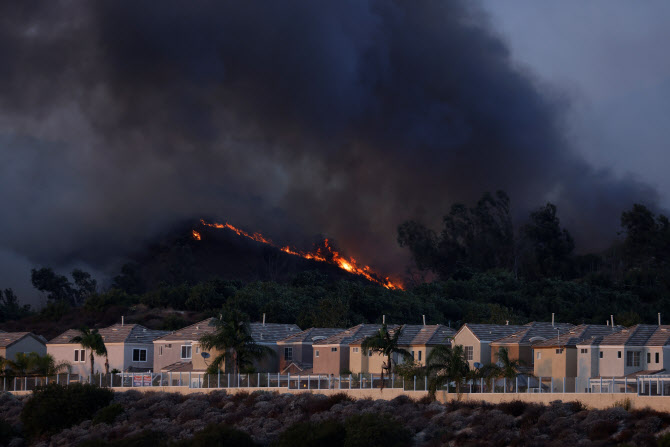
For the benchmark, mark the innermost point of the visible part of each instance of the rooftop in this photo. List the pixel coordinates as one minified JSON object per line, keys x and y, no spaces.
{"x":117,"y":333}
{"x":312,"y":335}
{"x":418,"y":334}
{"x":535,"y":332}
{"x":9,"y":338}
{"x":639,"y":335}
{"x":349,"y":335}
{"x":584,"y":333}
{"x":491,"y":332}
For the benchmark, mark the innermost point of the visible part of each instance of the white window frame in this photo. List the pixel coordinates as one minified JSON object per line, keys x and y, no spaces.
{"x":333,"y":349}
{"x":82,"y":355}
{"x":539,"y":355}
{"x":139,"y":355}
{"x":160,"y":350}
{"x":469,"y":352}
{"x":355,"y":350}
{"x":633,"y":359}
{"x":316,"y":353}
{"x":419,"y":355}
{"x":288,"y":353}
{"x":190,"y":352}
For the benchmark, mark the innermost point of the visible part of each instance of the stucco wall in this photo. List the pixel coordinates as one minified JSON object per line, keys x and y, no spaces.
{"x":330,"y":362}
{"x":170,"y":355}
{"x":513,"y":352}
{"x":480,"y":352}
{"x":611,"y":365}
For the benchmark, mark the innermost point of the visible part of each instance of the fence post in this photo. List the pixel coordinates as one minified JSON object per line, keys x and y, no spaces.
{"x":564,"y":385}
{"x":25,"y":386}
{"x":238,"y":379}
{"x":425,"y":383}
{"x":516,"y":384}
{"x":552,"y":384}
{"x":414,"y":383}
{"x":14,"y":383}
{"x":625,"y":384}
{"x":228,"y":374}
{"x":481,"y":384}
{"x":269,"y":379}
{"x":504,"y":384}
{"x":360,"y":381}
{"x":349,"y":381}
{"x":288,"y":381}
{"x":258,"y":380}
{"x":601,"y":384}
{"x":392,"y":380}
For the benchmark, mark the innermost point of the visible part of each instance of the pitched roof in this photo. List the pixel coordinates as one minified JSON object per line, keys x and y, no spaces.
{"x":272,"y":332}
{"x":349,"y":335}
{"x":491,"y":332}
{"x":417,"y":334}
{"x":192,"y":332}
{"x":117,"y":333}
{"x":9,"y":338}
{"x":311,"y":335}
{"x":534,"y":332}
{"x":584,"y":333}
{"x":178,"y":367}
{"x":639,"y":335}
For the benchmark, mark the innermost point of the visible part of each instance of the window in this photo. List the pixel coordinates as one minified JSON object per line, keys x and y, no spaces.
{"x":469,"y":350}
{"x":186,"y":352}
{"x":80,"y":355}
{"x":412,"y":352}
{"x":316,"y":353}
{"x":618,"y":354}
{"x":197,"y":349}
{"x":539,"y":355}
{"x":648,"y":357}
{"x":169,"y":345}
{"x":333,"y":349}
{"x":559,"y":351}
{"x":355,"y":350}
{"x":419,"y":355}
{"x":584,"y":351}
{"x":369,"y":352}
{"x":633,"y":358}
{"x":160,"y":350}
{"x":657,"y":356}
{"x":288,"y":354}
{"x":139,"y":355}
{"x":601,"y":354}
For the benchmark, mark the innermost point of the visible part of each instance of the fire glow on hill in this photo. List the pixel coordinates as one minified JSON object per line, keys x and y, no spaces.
{"x":321,"y":254}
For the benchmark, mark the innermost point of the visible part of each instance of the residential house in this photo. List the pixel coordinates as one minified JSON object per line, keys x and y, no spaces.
{"x":11,"y":343}
{"x":476,"y":340}
{"x":417,"y":339}
{"x":296,"y":353}
{"x":629,"y":352}
{"x":331,"y":355}
{"x":520,"y":344}
{"x":557,"y":357}
{"x":130,"y":348}
{"x":182,"y":351}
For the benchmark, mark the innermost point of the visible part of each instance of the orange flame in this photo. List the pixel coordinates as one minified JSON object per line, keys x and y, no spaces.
{"x":321,"y":254}
{"x":196,"y":235}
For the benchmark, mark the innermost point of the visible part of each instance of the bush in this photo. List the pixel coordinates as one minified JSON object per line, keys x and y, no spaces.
{"x":664,"y":441}
{"x":313,"y":434}
{"x":339,"y":398}
{"x":374,"y":430}
{"x":217,"y":435}
{"x":626,"y":404}
{"x":147,"y":437}
{"x":108,"y":414}
{"x":7,"y":432}
{"x":602,"y":430}
{"x":53,"y":407}
{"x":514,"y":408}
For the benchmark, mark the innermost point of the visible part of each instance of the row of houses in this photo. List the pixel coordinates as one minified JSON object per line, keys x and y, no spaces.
{"x":556,"y":350}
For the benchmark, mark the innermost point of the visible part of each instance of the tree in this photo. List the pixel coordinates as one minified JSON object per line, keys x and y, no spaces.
{"x":509,"y":368}
{"x":86,"y":285}
{"x":46,"y":365}
{"x":57,"y":287}
{"x":20,"y":365}
{"x":92,"y":340}
{"x":10,"y":309}
{"x":386,"y":344}
{"x":446,"y":364}
{"x":232,"y":339}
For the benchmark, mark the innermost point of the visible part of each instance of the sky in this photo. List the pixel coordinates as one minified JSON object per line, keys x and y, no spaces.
{"x":120,"y":120}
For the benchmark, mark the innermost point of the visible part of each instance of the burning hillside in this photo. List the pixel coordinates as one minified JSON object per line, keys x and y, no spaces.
{"x":324,"y":253}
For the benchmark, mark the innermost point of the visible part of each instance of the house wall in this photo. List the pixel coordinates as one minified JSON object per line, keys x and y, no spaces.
{"x":269,"y":363}
{"x":587,"y":363}
{"x":515,"y":352}
{"x":302,"y":353}
{"x":128,"y":356}
{"x":611,"y":365}
{"x":653,"y":365}
{"x":330,"y":362}
{"x":115,"y":353}
{"x":543,"y":366}
{"x":481,"y":352}
{"x":26,"y":344}
{"x":169,"y":356}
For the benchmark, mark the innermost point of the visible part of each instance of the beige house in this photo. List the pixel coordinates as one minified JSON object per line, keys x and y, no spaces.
{"x":557,"y":357}
{"x":181,"y":350}
{"x":331,"y":355}
{"x":129,"y":349}
{"x":476,"y":340}
{"x":419,"y":340}
{"x":296,"y":353}
{"x":629,"y":352}
{"x":12,"y":343}
{"x":520,"y":344}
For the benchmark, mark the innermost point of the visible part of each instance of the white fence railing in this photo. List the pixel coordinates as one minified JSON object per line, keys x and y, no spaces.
{"x":642,"y":385}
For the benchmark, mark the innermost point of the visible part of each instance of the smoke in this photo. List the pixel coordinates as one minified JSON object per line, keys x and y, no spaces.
{"x":294,"y":118}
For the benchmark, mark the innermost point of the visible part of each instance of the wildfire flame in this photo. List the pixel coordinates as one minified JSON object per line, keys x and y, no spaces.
{"x":322,"y":254}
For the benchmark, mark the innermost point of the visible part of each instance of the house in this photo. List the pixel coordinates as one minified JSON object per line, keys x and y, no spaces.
{"x":520,"y":344}
{"x":418,"y":339}
{"x":629,"y":352}
{"x":476,"y":340}
{"x":296,"y":353}
{"x":12,"y":343}
{"x":130,"y":348}
{"x":331,"y":355}
{"x":557,"y":357}
{"x":181,"y":350}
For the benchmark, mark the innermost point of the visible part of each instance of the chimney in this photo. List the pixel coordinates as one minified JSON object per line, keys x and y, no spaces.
{"x":424,"y":319}
{"x":608,"y":323}
{"x":506,"y":322}
{"x":121,"y":320}
{"x":659,"y":318}
{"x":612,"y":318}
{"x":552,"y":319}
{"x":263,"y":319}
{"x":383,"y":319}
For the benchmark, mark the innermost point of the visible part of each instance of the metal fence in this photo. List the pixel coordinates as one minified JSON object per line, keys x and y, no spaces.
{"x":658,"y":385}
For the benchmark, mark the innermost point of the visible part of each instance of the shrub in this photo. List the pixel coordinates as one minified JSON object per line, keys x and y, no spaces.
{"x":108,"y":414}
{"x":602,"y":430}
{"x":626,"y":404}
{"x":54,"y":407}
{"x":664,"y":441}
{"x":217,"y":435}
{"x":7,"y":432}
{"x":339,"y":398}
{"x":514,"y":408}
{"x":427,"y":399}
{"x":147,"y":437}
{"x":374,"y":430}
{"x":312,"y":434}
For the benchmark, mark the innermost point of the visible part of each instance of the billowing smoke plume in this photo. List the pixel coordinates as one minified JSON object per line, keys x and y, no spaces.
{"x":118,"y":118}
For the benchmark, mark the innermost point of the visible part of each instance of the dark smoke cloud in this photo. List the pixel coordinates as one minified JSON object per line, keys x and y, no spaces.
{"x":118,"y":119}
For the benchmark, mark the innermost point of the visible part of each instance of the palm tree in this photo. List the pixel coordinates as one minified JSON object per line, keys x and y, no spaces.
{"x":446,"y":364}
{"x":386,"y":343}
{"x":508,"y":369}
{"x":232,"y":338}
{"x":92,"y":340}
{"x":20,"y":365}
{"x":46,"y":365}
